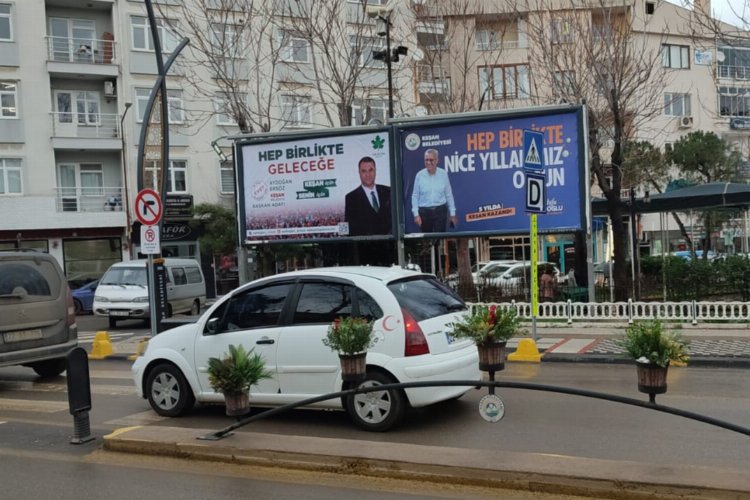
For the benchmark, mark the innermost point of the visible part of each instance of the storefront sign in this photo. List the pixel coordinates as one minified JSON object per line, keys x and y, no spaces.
{"x":178,"y":206}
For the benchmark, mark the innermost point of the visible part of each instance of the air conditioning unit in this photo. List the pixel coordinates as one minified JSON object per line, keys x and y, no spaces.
{"x":109,"y":89}
{"x":686,"y":121}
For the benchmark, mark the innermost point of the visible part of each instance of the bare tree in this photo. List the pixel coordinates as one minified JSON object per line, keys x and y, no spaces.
{"x":233,"y":45}
{"x":604,"y":54}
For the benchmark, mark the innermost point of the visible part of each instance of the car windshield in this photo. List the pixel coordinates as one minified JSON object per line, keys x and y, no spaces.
{"x":425,"y":297}
{"x":125,"y":276}
{"x":495,"y":271}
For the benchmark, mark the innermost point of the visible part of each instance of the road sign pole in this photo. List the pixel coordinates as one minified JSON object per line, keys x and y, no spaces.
{"x":534,"y":276}
{"x":152,"y":294}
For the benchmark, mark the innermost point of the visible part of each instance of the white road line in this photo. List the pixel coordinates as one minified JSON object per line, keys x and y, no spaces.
{"x":573,"y":346}
{"x":32,"y":405}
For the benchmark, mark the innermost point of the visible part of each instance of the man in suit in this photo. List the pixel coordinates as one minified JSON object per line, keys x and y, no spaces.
{"x":368,"y":208}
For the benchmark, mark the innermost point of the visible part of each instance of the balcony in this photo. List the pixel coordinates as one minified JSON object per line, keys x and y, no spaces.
{"x":432,"y":27}
{"x":89,"y":199}
{"x":734,"y":72}
{"x":433,"y":80}
{"x":91,"y":131}
{"x":96,"y":57}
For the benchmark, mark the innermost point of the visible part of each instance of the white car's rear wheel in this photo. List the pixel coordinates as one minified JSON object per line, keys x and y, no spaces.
{"x":377,"y":411}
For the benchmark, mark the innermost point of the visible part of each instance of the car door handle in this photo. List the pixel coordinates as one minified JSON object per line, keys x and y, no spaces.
{"x":265,"y":341}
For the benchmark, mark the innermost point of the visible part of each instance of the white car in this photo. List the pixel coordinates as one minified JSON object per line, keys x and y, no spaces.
{"x":515,"y":274}
{"x":285,"y":317}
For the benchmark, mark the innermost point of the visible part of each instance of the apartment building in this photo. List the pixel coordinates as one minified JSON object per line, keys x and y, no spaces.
{"x":73,"y":98}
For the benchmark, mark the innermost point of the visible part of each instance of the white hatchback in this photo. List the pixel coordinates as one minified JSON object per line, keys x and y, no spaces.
{"x":285,"y":317}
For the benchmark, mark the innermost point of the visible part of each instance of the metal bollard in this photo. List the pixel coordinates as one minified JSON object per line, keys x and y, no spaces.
{"x":79,"y":394}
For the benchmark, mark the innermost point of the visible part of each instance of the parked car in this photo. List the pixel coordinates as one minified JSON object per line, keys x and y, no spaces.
{"x":83,"y":297}
{"x":517,"y":274}
{"x":123,"y":290}
{"x":477,"y":270}
{"x":37,"y":317}
{"x":285,"y":318}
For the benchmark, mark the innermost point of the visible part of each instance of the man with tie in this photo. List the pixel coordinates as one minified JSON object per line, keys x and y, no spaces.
{"x":368,"y":208}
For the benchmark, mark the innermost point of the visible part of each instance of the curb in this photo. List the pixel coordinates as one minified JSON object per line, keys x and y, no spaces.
{"x":695,"y":361}
{"x":533,"y":472}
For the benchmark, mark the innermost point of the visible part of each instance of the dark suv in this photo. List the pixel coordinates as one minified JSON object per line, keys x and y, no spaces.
{"x":37,"y":315}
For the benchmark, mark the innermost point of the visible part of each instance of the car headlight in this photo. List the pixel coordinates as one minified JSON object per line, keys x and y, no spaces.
{"x":141,"y":299}
{"x":99,"y":298}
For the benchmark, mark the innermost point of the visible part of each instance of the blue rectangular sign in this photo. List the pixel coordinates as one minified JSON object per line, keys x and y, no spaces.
{"x":533,"y":142}
{"x":478,"y":186}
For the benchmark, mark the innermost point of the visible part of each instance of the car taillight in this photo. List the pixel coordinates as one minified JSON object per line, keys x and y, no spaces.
{"x":415,"y":343}
{"x":71,"y":320}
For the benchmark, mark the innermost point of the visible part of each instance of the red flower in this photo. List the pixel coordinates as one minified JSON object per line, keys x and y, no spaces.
{"x":336,"y":323}
{"x":493,"y":316}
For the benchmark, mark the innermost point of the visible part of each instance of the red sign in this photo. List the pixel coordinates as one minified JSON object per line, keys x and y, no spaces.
{"x":148,"y":207}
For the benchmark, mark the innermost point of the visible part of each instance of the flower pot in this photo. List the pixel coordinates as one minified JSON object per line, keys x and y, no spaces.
{"x":492,"y":356}
{"x":353,"y":366}
{"x":238,"y":403}
{"x":652,"y":379}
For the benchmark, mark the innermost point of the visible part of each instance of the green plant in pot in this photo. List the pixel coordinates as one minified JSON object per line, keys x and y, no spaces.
{"x":490,"y":328}
{"x":234,"y":374}
{"x":351,"y":337}
{"x":653,"y":347}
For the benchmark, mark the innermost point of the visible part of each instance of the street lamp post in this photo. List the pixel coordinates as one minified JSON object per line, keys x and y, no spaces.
{"x":388,"y":55}
{"x":126,"y":201}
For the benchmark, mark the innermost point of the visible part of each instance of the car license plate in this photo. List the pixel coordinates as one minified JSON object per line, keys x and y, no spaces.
{"x":22,"y":335}
{"x":118,"y":313}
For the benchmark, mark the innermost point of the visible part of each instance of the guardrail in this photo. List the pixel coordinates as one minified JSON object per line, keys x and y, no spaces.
{"x":85,"y":126}
{"x":688,"y":311}
{"x":81,"y":50}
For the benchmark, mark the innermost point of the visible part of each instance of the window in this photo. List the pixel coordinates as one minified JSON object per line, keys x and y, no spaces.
{"x":362,"y":50}
{"x":504,"y":82}
{"x":178,"y":273}
{"x":294,"y":48}
{"x":735,"y":63}
{"x":487,"y":40}
{"x":366,"y":306}
{"x":565,"y":83}
{"x":8,"y":99}
{"x":371,"y":109}
{"x":10,"y":176}
{"x":425,"y":298}
{"x":175,"y":107}
{"x":226,"y":174}
{"x":92,"y":179}
{"x":193,"y":275}
{"x":176,"y":181}
{"x":227,"y":39}
{"x":255,"y":308}
{"x":676,"y":104}
{"x":650,"y":6}
{"x":141,"y":34}
{"x":322,"y":303}
{"x":223,"y":106}
{"x":675,"y":56}
{"x":668,"y":147}
{"x":295,"y":111}
{"x":6,"y":26}
{"x":80,"y":107}
{"x":734,"y":101}
{"x":562,"y":30}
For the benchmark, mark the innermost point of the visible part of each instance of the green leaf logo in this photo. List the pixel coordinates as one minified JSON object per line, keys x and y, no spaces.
{"x":378,"y":142}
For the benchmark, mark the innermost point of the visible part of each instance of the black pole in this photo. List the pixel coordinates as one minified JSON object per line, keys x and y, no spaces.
{"x":388,"y":58}
{"x":634,"y":233}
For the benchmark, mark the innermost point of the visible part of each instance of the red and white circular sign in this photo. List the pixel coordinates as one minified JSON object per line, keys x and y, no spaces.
{"x":148,"y":207}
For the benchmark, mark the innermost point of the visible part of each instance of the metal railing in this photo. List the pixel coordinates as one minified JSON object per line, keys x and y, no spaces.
{"x":87,"y":126}
{"x":433,"y":80}
{"x":80,"y":50}
{"x":688,"y":311}
{"x":89,"y":199}
{"x":735,"y":72}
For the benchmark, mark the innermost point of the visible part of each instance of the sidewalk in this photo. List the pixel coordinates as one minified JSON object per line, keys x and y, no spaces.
{"x":710,"y":345}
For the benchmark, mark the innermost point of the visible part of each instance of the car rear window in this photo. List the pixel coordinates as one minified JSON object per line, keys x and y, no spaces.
{"x":125,"y":276}
{"x":425,"y":297}
{"x":28,"y":281}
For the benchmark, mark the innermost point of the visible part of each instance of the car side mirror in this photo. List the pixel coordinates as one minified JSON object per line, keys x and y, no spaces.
{"x":212,"y":326}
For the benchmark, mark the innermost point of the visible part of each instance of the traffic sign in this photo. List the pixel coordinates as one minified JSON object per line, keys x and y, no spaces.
{"x":536,"y":193}
{"x":533,"y":155}
{"x":148,"y":207}
{"x":150,"y":241}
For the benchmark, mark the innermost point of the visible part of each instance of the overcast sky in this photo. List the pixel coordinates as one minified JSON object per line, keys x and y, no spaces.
{"x":723,"y":9}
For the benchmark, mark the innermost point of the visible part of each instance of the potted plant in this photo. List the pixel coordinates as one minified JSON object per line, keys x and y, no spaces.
{"x":351,"y":337}
{"x":653,"y":347}
{"x":489,"y":328}
{"x":234,"y":374}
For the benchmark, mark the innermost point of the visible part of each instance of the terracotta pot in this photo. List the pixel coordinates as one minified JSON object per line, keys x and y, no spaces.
{"x":238,"y":403}
{"x":353,"y":366}
{"x":492,"y":357}
{"x":652,"y":379}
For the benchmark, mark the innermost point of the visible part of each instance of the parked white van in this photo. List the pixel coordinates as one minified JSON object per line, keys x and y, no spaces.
{"x":123,"y":290}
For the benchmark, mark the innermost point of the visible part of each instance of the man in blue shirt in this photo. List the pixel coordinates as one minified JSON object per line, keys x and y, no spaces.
{"x":432,"y":198}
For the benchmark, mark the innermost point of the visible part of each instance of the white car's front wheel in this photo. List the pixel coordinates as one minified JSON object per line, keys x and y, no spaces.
{"x":377,"y":411}
{"x":168,"y":392}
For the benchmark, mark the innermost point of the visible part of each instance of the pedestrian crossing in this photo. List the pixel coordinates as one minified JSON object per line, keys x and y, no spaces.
{"x":88,"y":337}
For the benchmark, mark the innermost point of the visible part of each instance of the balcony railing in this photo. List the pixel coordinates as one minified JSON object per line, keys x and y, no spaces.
{"x":89,"y":199}
{"x":80,"y":50}
{"x":501,"y":44}
{"x":734,"y":72}
{"x":86,"y":126}
{"x":433,"y":80}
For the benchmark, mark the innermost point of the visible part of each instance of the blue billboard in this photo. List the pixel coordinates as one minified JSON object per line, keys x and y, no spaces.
{"x":465,"y":177}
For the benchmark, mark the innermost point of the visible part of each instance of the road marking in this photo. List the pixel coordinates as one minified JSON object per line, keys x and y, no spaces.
{"x":142,"y":418}
{"x":30,"y":405}
{"x":573,"y":346}
{"x":102,"y":389}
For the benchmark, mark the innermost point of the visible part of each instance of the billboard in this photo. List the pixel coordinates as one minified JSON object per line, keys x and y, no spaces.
{"x":309,"y":188}
{"x":465,"y":177}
